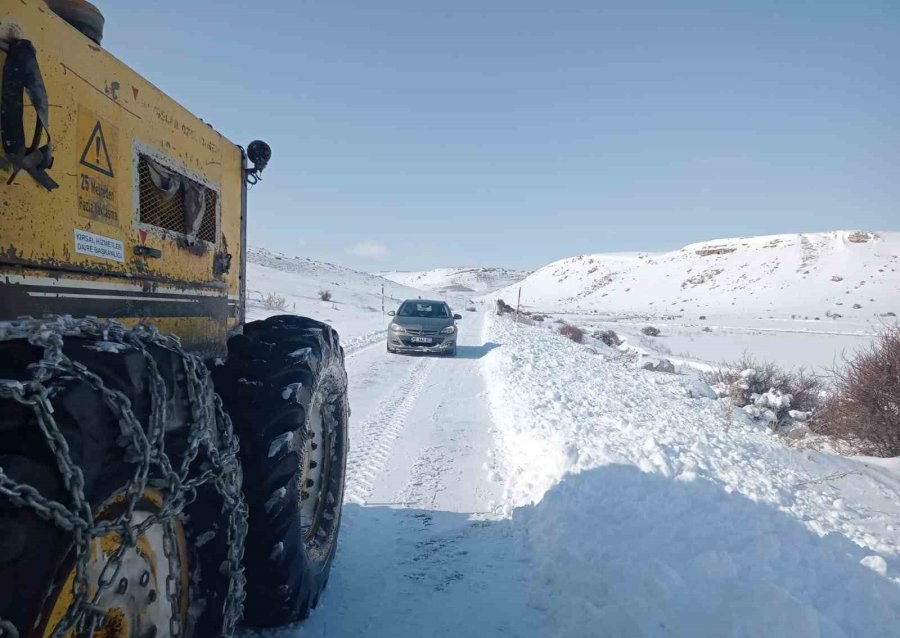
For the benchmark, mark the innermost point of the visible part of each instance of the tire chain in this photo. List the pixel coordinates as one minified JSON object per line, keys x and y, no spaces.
{"x":144,"y":449}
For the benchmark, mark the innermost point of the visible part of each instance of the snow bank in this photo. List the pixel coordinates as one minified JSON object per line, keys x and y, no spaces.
{"x":653,"y":516}
{"x":621,"y":552}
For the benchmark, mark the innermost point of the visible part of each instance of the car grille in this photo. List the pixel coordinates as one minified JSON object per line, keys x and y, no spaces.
{"x":421,"y":333}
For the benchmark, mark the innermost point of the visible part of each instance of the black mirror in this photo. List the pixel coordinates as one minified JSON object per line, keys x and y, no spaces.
{"x":457,"y":317}
{"x":391,"y":313}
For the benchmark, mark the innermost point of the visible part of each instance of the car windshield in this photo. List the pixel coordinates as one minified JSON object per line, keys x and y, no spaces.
{"x":424,"y":309}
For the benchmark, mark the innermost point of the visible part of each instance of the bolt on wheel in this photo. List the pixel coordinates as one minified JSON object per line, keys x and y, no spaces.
{"x":145,"y":584}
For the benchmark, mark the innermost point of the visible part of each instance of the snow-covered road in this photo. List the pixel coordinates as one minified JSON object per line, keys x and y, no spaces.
{"x":420,"y":427}
{"x":420,"y":553}
{"x":534,"y":487}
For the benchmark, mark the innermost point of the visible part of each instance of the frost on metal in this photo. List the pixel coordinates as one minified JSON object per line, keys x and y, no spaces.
{"x":204,"y":538}
{"x":108,"y":346}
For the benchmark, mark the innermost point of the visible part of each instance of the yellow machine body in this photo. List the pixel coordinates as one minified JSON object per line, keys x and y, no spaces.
{"x":107,"y":242}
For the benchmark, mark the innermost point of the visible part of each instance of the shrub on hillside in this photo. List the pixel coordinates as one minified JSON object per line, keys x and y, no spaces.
{"x":574,"y":333}
{"x":325,"y":295}
{"x":609,"y":337}
{"x":864,"y":409}
{"x":768,"y":392}
{"x":271,"y":301}
{"x":650,"y":331}
{"x":504,"y":308}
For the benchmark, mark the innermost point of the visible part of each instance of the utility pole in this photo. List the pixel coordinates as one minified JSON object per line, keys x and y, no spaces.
{"x":382,"y":302}
{"x":518,"y":303}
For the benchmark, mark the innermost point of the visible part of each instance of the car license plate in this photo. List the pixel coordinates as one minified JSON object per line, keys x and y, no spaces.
{"x":421,"y":339}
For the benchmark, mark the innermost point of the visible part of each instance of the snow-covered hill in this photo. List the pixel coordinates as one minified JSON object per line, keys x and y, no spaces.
{"x":461,"y":280}
{"x":852,"y":273}
{"x":355,"y":304}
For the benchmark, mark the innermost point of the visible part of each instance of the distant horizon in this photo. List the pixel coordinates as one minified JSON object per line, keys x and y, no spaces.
{"x":379,"y":271}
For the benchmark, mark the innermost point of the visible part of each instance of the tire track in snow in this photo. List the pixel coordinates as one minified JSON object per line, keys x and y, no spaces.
{"x":374,"y":438}
{"x":359,"y":345}
{"x":426,"y":478}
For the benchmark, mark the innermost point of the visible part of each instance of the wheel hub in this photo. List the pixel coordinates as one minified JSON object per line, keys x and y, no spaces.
{"x":146,"y":595}
{"x":314,"y":477}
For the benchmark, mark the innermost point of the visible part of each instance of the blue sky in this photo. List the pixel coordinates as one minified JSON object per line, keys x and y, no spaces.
{"x":420,"y":133}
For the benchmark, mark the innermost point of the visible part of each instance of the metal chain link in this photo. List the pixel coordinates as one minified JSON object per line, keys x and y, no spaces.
{"x":210,"y":432}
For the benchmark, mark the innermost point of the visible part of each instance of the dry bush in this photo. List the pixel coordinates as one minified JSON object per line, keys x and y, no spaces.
{"x":864,"y":409}
{"x":650,"y":331}
{"x":325,"y":295}
{"x":504,"y":308}
{"x":471,"y":309}
{"x":746,"y":380}
{"x":574,"y":333}
{"x":272,"y":301}
{"x":609,"y":337}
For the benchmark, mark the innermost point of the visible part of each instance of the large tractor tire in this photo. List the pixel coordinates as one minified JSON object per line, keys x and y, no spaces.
{"x":121,"y":510}
{"x":285,"y":387}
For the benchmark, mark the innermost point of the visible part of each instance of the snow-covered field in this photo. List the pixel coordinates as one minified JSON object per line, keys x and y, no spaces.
{"x":534,"y":487}
{"x":813,"y":344}
{"x":797,"y":300}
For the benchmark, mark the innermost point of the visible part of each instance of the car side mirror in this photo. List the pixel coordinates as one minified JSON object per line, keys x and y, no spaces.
{"x":457,"y":317}
{"x":392,"y":312}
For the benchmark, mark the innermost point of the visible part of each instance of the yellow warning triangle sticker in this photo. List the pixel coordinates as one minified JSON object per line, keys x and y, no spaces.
{"x":95,"y":154}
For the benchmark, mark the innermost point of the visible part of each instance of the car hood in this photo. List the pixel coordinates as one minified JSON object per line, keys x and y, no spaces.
{"x":424,"y":323}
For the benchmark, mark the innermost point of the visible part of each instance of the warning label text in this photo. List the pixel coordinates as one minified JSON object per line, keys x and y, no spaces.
{"x":96,"y":191}
{"x":99,"y":246}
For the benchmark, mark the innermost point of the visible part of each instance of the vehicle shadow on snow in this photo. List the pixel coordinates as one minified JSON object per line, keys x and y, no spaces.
{"x":639,"y":554}
{"x":609,"y":552}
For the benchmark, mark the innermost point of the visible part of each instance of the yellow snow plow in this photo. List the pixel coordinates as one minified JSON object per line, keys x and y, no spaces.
{"x":156,"y":478}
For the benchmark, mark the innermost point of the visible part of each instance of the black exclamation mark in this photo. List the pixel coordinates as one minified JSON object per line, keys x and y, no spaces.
{"x":97,"y":145}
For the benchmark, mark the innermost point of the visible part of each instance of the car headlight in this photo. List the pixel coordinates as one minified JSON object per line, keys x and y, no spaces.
{"x":449,"y":330}
{"x":397,"y":328}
